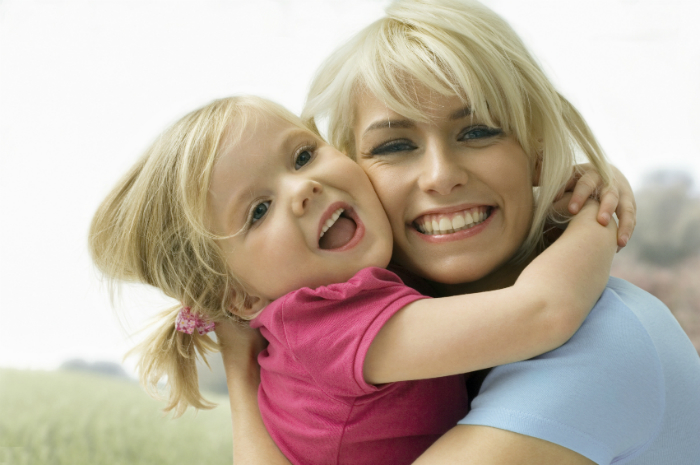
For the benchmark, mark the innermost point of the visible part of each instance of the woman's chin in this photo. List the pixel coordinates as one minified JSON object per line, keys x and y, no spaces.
{"x":448,"y":273}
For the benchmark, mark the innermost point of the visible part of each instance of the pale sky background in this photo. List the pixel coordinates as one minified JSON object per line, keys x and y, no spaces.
{"x":85,"y":86}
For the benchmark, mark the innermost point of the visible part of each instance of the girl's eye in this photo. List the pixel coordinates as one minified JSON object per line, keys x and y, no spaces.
{"x":394,"y":146}
{"x":259,"y":211}
{"x":479,"y":132}
{"x":302,"y":158}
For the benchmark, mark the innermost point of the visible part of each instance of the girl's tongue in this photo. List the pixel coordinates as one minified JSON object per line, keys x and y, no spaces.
{"x":339,"y":234}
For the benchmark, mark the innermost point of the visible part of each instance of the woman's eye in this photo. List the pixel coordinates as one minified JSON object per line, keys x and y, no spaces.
{"x":395,"y":146}
{"x":479,"y":132}
{"x":302,"y":158}
{"x":259,"y":211}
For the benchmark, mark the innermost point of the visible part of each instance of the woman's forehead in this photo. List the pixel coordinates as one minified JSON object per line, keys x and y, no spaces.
{"x":428,"y":106}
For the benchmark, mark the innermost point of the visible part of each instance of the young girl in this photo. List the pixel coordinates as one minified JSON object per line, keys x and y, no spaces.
{"x":239,"y":211}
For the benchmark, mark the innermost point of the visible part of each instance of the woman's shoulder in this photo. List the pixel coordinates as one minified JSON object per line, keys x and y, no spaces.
{"x":601,"y":394}
{"x":623,"y":378}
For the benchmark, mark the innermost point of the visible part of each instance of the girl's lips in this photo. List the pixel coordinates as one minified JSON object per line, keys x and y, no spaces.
{"x":459,"y":235}
{"x":348,"y":212}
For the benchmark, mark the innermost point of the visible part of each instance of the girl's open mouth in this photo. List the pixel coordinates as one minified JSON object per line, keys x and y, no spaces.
{"x":341,"y":230}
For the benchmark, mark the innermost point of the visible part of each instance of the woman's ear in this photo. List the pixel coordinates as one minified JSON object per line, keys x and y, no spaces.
{"x":537,"y":170}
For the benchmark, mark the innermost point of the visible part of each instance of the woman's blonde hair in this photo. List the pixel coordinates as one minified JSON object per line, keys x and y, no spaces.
{"x":456,"y":47}
{"x":153,"y":228}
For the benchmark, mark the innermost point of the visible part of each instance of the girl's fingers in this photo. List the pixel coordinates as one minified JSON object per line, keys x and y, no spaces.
{"x":575,"y":176}
{"x":586,"y":187}
{"x":626,"y":208}
{"x":627,"y":216}
{"x":561,"y":206}
{"x":609,"y":200}
{"x":234,"y":336}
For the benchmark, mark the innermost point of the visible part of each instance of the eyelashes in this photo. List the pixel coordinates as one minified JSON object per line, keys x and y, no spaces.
{"x":479,"y":132}
{"x":394,"y":146}
{"x":304,"y":155}
{"x":258,"y":212}
{"x":473,"y":133}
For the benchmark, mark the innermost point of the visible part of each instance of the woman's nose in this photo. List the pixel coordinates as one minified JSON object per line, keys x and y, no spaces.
{"x":304,"y":190}
{"x":441,"y":171}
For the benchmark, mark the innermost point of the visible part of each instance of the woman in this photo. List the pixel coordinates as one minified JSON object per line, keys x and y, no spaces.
{"x":444,"y":108}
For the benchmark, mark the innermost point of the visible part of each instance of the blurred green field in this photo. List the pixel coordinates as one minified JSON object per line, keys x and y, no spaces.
{"x":78,"y":418}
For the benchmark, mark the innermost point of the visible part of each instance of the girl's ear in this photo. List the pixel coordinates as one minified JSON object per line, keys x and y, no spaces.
{"x":252,"y":306}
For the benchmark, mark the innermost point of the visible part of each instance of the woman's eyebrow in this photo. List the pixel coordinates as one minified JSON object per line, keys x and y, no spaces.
{"x":461,"y":113}
{"x":390,"y":123}
{"x":406,"y":123}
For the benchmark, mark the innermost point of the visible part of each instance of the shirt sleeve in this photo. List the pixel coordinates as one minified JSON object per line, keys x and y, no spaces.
{"x":330,"y":329}
{"x":601,"y":394}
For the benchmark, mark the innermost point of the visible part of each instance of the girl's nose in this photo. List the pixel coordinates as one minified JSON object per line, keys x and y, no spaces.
{"x":441,"y":171}
{"x":304,"y":191}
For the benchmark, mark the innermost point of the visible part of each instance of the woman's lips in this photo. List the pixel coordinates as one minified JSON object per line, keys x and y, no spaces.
{"x":447,"y":223}
{"x":444,"y":227}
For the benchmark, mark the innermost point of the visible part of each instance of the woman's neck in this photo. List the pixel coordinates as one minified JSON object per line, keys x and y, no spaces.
{"x":503,"y":277}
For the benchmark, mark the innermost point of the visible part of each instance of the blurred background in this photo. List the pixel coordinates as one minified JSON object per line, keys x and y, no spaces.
{"x":85,"y":86}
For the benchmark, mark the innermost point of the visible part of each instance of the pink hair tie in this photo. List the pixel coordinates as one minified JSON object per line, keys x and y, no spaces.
{"x":187,"y":321}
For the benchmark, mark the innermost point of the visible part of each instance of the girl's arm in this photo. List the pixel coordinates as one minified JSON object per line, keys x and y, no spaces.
{"x":431,"y":338}
{"x":251,"y":442}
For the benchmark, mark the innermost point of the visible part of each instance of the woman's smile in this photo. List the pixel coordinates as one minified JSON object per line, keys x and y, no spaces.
{"x":439,"y":224}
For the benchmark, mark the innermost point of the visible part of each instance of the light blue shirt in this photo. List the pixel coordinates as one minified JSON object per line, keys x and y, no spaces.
{"x":624,"y":389}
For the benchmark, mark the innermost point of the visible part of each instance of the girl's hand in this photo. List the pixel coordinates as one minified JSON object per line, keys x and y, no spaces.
{"x":617,"y":198}
{"x":240,"y":346}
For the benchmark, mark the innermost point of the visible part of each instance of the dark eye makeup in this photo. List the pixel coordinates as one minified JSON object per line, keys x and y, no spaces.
{"x":478,"y":132}
{"x":394,"y":146}
{"x":471,"y":133}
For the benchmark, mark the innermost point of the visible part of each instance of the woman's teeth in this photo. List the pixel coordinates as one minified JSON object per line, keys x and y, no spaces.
{"x":331,"y":221}
{"x":452,"y":222}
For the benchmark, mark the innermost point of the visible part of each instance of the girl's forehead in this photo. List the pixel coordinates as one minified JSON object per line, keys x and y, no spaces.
{"x":257,"y":128}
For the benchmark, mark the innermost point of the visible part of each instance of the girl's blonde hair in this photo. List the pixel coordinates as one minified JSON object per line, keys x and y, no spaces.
{"x":153,"y":228}
{"x":456,"y":47}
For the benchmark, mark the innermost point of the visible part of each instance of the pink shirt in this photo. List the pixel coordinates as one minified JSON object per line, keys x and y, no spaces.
{"x":313,"y":397}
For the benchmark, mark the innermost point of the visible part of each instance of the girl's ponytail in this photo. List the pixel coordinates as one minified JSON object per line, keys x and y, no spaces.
{"x":154,"y":228}
{"x":170,"y":353}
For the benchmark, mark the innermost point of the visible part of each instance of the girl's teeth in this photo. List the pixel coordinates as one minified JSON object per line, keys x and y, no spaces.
{"x":331,"y":221}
